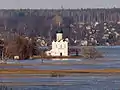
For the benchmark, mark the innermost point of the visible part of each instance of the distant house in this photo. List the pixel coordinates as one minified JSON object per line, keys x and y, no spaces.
{"x":59,"y":47}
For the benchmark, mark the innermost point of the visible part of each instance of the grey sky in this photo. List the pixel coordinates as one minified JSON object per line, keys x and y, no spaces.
{"x":57,"y":4}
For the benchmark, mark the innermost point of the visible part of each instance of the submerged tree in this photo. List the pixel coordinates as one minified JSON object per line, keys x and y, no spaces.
{"x":90,"y":52}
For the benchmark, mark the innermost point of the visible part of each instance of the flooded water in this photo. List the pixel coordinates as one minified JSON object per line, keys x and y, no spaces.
{"x":81,"y":82}
{"x":111,"y":60}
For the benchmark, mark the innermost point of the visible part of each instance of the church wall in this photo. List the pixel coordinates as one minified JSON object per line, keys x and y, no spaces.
{"x":60,"y":47}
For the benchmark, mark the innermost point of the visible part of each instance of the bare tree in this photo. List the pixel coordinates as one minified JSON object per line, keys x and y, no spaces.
{"x":90,"y":52}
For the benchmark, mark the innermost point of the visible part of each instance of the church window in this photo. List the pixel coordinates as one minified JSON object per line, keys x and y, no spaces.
{"x":64,"y":46}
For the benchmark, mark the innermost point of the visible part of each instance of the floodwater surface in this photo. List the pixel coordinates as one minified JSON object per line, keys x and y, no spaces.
{"x":108,"y":81}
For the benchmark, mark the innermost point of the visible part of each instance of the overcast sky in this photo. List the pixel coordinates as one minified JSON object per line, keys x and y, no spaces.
{"x":36,"y":4}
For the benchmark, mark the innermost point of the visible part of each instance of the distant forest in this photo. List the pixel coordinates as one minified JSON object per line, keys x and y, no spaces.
{"x":78,"y":15}
{"x":37,"y":22}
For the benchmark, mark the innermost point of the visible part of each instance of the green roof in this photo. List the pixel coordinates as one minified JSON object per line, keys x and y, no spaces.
{"x":59,"y":31}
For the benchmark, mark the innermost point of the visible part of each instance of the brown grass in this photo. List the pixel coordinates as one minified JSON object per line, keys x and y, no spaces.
{"x":30,"y":71}
{"x":33,"y":84}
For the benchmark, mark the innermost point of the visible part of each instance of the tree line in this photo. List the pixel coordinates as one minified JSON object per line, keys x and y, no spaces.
{"x":78,"y":15}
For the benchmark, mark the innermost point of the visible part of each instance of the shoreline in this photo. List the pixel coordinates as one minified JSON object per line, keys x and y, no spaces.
{"x":56,"y":57}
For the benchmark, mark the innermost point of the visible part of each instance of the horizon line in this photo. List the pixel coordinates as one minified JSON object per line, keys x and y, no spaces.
{"x":58,"y":8}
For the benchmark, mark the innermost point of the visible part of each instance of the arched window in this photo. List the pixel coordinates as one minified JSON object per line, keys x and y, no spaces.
{"x":61,"y":46}
{"x":64,"y":45}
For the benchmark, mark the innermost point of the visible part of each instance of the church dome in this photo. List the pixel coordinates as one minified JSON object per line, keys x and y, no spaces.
{"x":59,"y":31}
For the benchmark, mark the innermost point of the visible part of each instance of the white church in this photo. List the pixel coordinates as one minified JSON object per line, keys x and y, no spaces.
{"x":60,"y":46}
